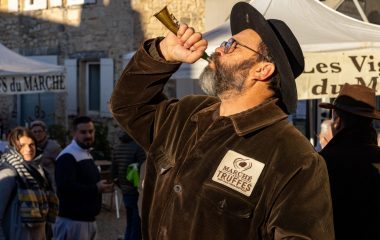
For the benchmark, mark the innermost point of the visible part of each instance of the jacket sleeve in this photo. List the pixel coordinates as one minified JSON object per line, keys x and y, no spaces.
{"x":140,"y":156}
{"x":138,"y":94}
{"x":53,"y":149}
{"x":7,"y":186}
{"x":302,"y":208}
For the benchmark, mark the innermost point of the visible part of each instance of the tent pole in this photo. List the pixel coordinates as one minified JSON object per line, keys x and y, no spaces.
{"x":311,"y":121}
{"x":316,"y":119}
{"x":308,"y":120}
{"x":360,"y":10}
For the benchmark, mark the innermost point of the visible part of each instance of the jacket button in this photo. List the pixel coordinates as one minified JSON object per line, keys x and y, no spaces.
{"x":222,"y":204}
{"x":177,"y":188}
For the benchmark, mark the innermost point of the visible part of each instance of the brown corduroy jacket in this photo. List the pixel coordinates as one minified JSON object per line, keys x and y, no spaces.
{"x":251,"y":175}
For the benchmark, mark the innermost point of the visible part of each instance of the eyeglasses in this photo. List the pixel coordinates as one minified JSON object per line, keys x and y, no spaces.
{"x":226,"y":45}
{"x":37,"y":131}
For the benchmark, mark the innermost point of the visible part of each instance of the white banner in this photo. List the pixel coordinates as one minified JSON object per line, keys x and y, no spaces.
{"x":325,"y":73}
{"x":25,"y":84}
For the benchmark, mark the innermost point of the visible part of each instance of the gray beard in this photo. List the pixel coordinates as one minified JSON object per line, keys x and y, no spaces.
{"x":207,"y":81}
{"x":224,"y":79}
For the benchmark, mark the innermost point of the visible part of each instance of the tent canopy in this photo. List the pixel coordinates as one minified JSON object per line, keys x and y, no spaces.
{"x":316,"y":26}
{"x":320,"y":28}
{"x":20,"y":75}
{"x":12,"y":63}
{"x":336,"y":47}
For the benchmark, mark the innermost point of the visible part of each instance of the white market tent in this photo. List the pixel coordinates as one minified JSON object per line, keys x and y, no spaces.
{"x":337,"y":48}
{"x":21,"y":75}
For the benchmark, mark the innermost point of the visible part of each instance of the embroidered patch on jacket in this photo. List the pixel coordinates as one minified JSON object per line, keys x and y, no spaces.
{"x":238,"y":172}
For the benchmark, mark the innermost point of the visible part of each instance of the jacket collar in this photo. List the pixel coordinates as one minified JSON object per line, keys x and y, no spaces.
{"x":76,"y":151}
{"x":352,"y":136}
{"x":250,"y":120}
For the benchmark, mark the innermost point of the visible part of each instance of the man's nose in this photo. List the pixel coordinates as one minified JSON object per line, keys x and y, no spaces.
{"x":220,"y":50}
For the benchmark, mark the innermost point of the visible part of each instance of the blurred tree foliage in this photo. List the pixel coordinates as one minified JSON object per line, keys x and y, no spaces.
{"x":59,"y":133}
{"x":102,"y":149}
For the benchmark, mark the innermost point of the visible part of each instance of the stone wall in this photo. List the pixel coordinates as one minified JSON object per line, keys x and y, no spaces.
{"x":107,"y":29}
{"x":93,"y":30}
{"x":189,"y":12}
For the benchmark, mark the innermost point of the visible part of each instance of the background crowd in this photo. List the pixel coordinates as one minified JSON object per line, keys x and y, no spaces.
{"x":50,"y":192}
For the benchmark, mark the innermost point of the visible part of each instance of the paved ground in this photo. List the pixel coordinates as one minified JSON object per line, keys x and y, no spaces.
{"x":109,"y":226}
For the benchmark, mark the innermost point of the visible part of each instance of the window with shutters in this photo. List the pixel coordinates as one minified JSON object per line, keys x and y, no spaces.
{"x":30,"y":5}
{"x":79,"y":2}
{"x":93,"y":87}
{"x":89,"y":86}
{"x":55,"y":3}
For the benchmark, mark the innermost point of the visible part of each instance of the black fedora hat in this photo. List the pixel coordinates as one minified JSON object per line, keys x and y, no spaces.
{"x":281,"y":43}
{"x":356,"y":99}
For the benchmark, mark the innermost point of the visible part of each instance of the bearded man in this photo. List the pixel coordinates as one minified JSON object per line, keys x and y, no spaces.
{"x":229,"y":165}
{"x":79,"y":187}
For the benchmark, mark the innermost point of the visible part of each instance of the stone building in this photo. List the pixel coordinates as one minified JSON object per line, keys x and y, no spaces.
{"x":90,"y":38}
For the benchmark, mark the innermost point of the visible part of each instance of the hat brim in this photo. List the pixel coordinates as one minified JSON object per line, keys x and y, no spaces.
{"x":244,"y":16}
{"x":363,"y":113}
{"x":326,"y":105}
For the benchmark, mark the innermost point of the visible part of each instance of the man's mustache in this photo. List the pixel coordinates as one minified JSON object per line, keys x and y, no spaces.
{"x":214,"y":56}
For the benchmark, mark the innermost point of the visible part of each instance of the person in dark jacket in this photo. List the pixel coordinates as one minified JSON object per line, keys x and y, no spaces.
{"x":79,"y":186}
{"x":351,"y":157}
{"x":127,"y":155}
{"x":49,"y":148}
{"x":228,"y":165}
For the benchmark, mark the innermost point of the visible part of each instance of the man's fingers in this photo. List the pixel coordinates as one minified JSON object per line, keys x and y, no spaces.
{"x":199,"y":45}
{"x":197,"y":53}
{"x":182,"y":29}
{"x":187,"y":34}
{"x":193,"y":39}
{"x":188,"y":45}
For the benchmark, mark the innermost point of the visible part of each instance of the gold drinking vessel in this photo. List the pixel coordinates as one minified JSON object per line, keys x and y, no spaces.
{"x":171,"y":23}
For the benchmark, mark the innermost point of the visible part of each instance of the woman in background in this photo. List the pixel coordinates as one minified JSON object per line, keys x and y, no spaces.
{"x":27,"y":202}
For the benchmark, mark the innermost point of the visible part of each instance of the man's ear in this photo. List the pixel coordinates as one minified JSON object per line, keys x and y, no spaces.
{"x":336,"y":125}
{"x":263,"y":70}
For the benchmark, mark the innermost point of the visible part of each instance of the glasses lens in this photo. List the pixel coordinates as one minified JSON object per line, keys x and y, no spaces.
{"x":223,"y":44}
{"x":226,"y":45}
{"x":229,"y":44}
